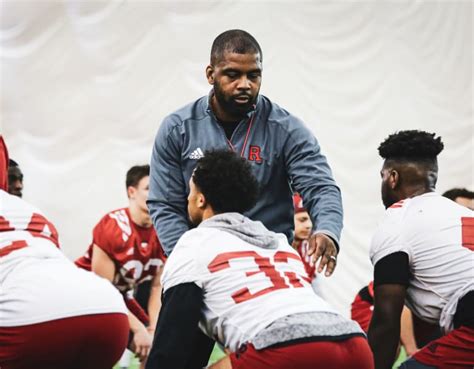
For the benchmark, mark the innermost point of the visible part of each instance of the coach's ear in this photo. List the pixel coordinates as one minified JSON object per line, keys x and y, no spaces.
{"x":210,"y":74}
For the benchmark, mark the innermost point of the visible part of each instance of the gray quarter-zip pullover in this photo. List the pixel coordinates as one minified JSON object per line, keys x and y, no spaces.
{"x":283,"y":153}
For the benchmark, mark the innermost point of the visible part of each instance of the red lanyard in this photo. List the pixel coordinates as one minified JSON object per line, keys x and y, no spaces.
{"x":246,"y":137}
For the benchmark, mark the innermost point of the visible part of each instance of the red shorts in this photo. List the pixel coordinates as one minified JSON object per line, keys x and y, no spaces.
{"x":353,"y":353}
{"x":87,"y":341}
{"x":453,"y":351}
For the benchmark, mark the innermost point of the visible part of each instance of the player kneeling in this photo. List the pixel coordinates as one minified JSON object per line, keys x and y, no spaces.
{"x":423,"y":257}
{"x":245,"y":287}
{"x":53,"y":315}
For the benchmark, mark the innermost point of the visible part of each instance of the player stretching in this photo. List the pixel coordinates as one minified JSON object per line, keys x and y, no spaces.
{"x":125,"y":250}
{"x":245,"y":287}
{"x":53,"y":315}
{"x":422,"y":252}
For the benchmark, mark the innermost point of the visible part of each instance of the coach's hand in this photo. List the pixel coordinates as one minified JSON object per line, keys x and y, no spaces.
{"x":142,"y":341}
{"x":323,"y":247}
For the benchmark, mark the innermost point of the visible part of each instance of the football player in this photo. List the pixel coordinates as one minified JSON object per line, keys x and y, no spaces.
{"x":15,"y":179}
{"x":234,"y":281}
{"x":53,"y":315}
{"x":423,"y":256}
{"x":125,"y":250}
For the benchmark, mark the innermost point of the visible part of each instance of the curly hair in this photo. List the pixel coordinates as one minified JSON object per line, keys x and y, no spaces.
{"x":236,"y":41}
{"x":227,"y":182}
{"x":458,"y":192}
{"x":411,"y":145}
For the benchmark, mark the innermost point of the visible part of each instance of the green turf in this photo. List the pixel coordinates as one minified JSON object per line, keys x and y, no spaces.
{"x":401,"y":358}
{"x":134,"y":364}
{"x":216,"y":354}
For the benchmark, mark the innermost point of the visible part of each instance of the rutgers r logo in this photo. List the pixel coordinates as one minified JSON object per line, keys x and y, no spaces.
{"x":254,"y":154}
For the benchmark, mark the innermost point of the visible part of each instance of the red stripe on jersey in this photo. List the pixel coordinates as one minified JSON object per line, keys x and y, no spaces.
{"x":15,"y":245}
{"x":265,"y":266}
{"x":283,"y":256}
{"x":398,"y":204}
{"x":468,"y":232}
{"x":5,"y":225}
{"x":221,"y":261}
{"x":39,"y":226}
{"x":294,"y":280}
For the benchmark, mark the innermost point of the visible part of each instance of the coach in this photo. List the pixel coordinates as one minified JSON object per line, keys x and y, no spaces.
{"x":283,"y":153}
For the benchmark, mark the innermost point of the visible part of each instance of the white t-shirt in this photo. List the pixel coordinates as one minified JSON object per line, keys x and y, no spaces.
{"x":37,"y":282}
{"x":245,"y":287}
{"x":437,"y":234}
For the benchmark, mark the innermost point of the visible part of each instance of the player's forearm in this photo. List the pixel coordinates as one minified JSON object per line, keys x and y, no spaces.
{"x":177,"y":328}
{"x":383,"y":340}
{"x":135,"y":324}
{"x":154,"y":306}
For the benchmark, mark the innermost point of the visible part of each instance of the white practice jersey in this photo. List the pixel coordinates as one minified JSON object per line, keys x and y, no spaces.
{"x":37,"y":282}
{"x":438,"y":236}
{"x":245,"y":287}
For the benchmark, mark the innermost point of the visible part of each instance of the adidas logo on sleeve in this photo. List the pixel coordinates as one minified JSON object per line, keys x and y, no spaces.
{"x":196,"y":154}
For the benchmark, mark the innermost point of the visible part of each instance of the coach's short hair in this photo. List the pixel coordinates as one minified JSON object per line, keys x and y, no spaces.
{"x":227,"y":182}
{"x":235,"y":41}
{"x":454,"y":193}
{"x":135,"y":175}
{"x":411,"y":146}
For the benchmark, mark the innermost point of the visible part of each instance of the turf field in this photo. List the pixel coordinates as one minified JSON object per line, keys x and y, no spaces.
{"x":217,"y":354}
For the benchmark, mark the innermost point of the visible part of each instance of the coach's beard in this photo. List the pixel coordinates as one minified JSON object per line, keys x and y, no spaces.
{"x":231,"y":105}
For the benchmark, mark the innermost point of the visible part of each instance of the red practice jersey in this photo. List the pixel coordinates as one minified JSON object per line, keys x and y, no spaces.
{"x":135,"y":250}
{"x":363,"y":306}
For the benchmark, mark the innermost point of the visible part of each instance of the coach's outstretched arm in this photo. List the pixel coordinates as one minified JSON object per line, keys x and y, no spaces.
{"x":312,"y":177}
{"x":167,"y":197}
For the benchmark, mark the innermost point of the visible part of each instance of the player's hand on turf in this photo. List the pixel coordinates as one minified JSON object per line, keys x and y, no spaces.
{"x":323,"y":247}
{"x":142,"y":341}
